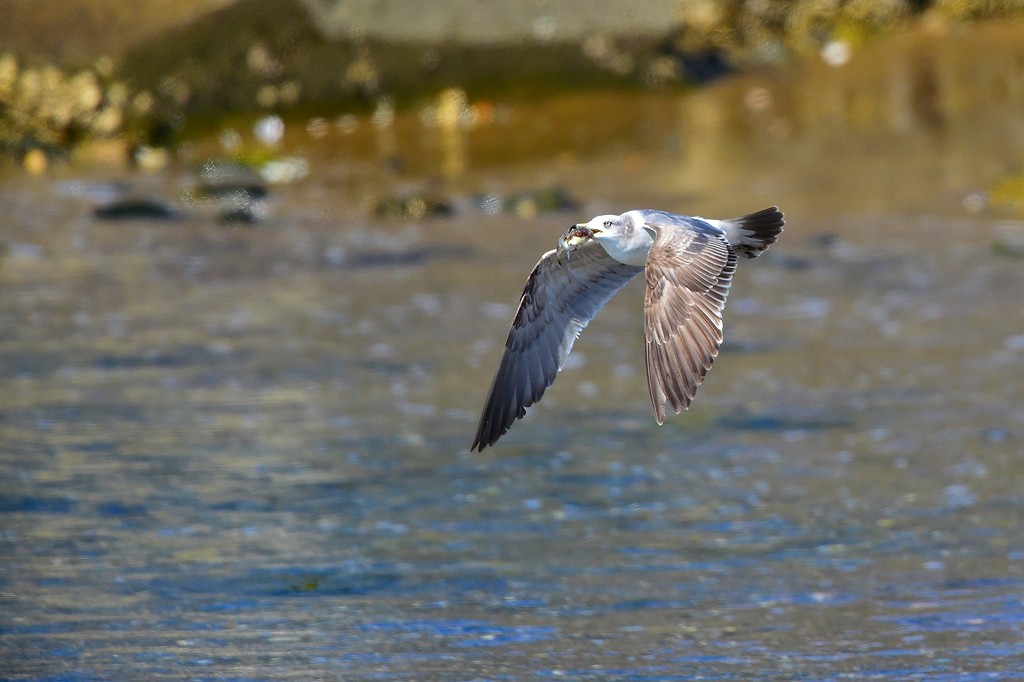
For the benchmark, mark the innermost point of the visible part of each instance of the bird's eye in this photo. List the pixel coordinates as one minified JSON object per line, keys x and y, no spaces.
{"x":607,"y":223}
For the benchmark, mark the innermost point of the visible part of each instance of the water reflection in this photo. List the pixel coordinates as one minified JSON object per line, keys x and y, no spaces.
{"x":931,"y":97}
{"x":242,"y":454}
{"x":452,"y":112}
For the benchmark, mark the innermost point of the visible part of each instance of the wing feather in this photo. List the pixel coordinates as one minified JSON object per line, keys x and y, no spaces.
{"x":557,"y":303}
{"x":689,"y":271}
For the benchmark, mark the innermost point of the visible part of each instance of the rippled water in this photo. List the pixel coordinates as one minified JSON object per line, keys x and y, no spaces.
{"x":242,"y":453}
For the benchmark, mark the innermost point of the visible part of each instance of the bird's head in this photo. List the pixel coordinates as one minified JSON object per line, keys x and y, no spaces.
{"x":606,"y":228}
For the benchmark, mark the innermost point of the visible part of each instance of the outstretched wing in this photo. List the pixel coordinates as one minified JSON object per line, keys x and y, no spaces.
{"x":558,"y":302}
{"x":689,"y":271}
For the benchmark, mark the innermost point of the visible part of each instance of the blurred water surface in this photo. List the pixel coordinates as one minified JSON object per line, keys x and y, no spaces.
{"x":241,"y":452}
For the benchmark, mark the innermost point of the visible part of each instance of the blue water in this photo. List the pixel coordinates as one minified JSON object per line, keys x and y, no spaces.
{"x":242,"y":454}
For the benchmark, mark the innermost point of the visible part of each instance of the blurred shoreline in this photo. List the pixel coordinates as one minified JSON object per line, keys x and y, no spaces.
{"x":181,"y":74}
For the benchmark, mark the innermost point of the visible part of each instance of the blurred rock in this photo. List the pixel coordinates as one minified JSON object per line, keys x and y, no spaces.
{"x":235,"y":189}
{"x":471,"y":21}
{"x":224,"y":178}
{"x":273,"y":58}
{"x":241,"y":215}
{"x":136,"y":208}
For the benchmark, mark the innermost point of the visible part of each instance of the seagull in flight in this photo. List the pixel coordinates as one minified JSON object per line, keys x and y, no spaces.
{"x":688,"y":263}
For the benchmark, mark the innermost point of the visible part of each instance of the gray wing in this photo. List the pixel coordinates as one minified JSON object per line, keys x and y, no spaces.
{"x":558,"y":302}
{"x":689,"y":271}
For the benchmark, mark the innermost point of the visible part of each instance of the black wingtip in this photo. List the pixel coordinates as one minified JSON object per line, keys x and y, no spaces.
{"x":491,"y":429}
{"x":767,"y":222}
{"x":479,"y":443}
{"x":757,"y":231}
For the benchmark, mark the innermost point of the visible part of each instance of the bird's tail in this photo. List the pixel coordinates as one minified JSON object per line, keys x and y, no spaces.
{"x":752,"y":234}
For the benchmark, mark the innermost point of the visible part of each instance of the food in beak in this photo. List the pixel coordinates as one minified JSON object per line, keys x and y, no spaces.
{"x":575,"y":237}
